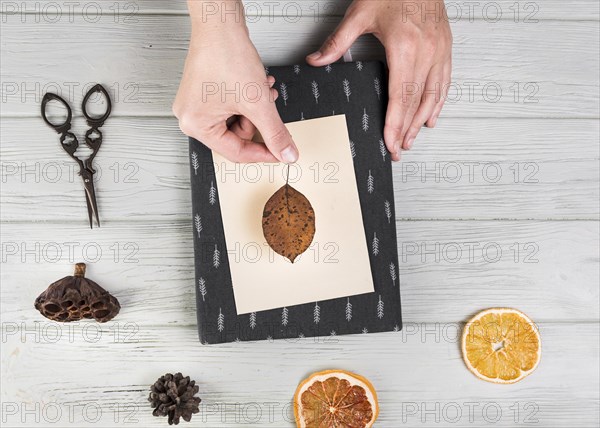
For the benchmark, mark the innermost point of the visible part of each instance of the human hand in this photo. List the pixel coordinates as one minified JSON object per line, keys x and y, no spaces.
{"x":225,"y":96}
{"x":418,"y":46}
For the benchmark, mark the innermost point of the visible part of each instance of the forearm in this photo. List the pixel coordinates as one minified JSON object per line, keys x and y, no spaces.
{"x":215,"y":18}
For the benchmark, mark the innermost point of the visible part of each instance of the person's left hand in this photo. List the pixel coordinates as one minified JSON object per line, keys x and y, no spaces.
{"x":418,"y":46}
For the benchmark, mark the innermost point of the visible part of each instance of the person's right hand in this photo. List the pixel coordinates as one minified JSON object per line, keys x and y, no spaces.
{"x":225,"y":96}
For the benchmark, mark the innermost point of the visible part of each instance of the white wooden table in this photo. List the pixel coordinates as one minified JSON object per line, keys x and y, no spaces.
{"x":498,"y":206}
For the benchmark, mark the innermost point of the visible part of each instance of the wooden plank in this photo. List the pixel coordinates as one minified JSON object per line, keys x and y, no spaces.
{"x":420,"y":380}
{"x":145,"y":243}
{"x":448,"y":269}
{"x":515,"y":169}
{"x":504,"y":69}
{"x":527,"y":12}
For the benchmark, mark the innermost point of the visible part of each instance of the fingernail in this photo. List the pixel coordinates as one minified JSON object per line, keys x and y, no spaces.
{"x":409,"y":143}
{"x":314,"y":55}
{"x":289,"y":155}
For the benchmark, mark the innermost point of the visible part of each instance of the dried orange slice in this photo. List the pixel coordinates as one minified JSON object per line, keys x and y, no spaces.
{"x":335,"y":398}
{"x":501,"y":345}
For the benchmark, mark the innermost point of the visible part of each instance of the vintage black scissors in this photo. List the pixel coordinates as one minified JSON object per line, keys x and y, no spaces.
{"x":93,"y":139}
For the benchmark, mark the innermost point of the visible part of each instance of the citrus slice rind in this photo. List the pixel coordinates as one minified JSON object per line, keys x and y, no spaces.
{"x":335,"y":398}
{"x":501,"y":345}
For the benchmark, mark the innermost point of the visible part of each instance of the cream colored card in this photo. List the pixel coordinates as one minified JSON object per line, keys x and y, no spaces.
{"x":337,"y":262}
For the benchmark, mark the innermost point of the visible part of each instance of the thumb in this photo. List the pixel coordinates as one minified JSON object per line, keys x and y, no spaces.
{"x":276,"y":136}
{"x":338,"y":43}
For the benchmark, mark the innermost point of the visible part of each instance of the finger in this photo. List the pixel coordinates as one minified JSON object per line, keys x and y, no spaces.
{"x":239,"y":150}
{"x":276,"y":136}
{"x":221,"y":140}
{"x":339,"y":42}
{"x":243,"y":128}
{"x":415,"y":92}
{"x":446,"y":80}
{"x":270,"y":81}
{"x":401,"y":71}
{"x":429,"y":99}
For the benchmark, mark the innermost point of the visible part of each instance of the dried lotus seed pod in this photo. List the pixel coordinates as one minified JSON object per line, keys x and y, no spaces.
{"x":75,"y":297}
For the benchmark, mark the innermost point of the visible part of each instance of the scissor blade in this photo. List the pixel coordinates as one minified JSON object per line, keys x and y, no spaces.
{"x":90,"y":197}
{"x":92,"y":206}
{"x":89,"y":208}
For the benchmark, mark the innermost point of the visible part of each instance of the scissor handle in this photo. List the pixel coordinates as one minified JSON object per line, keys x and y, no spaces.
{"x":60,"y":128}
{"x":96,"y":122}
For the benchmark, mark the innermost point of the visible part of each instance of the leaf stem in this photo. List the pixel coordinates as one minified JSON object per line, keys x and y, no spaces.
{"x":287,"y":177}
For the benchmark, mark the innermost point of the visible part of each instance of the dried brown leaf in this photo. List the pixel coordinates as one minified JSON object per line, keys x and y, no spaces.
{"x":288,"y":222}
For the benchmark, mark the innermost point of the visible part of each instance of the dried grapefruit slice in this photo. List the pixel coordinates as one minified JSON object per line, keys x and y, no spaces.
{"x":501,"y":345}
{"x":335,"y":398}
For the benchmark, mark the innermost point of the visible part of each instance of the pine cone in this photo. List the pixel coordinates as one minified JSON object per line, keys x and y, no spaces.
{"x":75,"y":297}
{"x":173,"y":396}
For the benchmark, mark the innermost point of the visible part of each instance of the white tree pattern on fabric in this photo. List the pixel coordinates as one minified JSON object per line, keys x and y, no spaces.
{"x":370,"y":183}
{"x":221,"y":321}
{"x":393,"y":273}
{"x":377,"y":85}
{"x":252,"y":320}
{"x":296,"y":69}
{"x":348,"y":310}
{"x":315,"y":91}
{"x":347,"y":91}
{"x":267,"y":71}
{"x":375,"y":246}
{"x":195,"y":162}
{"x":388,"y":211}
{"x":198,"y":224}
{"x":359,"y":65}
{"x":284,"y":93}
{"x":317,"y":313}
{"x":396,"y":328}
{"x":202,"y":287}
{"x":301,"y":115}
{"x":380,"y":308}
{"x":365,"y":120}
{"x":216,"y":257}
{"x":212,"y":194}
{"x":352,"y":149}
{"x":365,"y":331}
{"x":284,"y":316}
{"x":382,"y":148}
{"x":333,"y":333}
{"x":328,"y":68}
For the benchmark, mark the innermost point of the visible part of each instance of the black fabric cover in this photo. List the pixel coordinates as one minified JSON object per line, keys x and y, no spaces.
{"x":357,"y":90}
